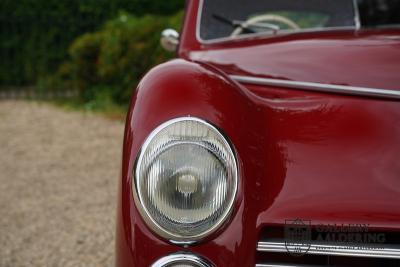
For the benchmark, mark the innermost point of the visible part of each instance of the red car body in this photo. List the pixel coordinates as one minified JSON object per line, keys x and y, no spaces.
{"x":321,"y":152}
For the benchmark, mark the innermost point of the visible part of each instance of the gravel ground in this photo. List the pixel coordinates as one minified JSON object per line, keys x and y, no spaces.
{"x":58,"y":181}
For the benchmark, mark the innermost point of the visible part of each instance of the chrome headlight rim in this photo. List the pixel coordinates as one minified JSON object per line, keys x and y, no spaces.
{"x":182,"y":257}
{"x":138,"y":199}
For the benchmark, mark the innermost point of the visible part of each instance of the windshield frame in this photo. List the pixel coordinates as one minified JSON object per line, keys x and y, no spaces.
{"x":267,"y":34}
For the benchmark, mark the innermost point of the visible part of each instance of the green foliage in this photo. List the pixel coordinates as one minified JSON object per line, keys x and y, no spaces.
{"x":35,"y":34}
{"x":107,"y":64}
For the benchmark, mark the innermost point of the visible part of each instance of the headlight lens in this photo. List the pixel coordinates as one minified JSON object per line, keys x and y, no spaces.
{"x":186,"y":179}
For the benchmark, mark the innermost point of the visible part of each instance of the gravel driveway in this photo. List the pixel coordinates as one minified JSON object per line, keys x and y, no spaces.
{"x":58,"y":181}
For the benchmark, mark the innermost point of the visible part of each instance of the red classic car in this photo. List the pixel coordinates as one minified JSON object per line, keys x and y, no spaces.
{"x":273,"y":139}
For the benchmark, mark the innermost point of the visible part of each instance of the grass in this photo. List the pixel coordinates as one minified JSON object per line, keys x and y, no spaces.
{"x":101,"y":102}
{"x":109,"y":110}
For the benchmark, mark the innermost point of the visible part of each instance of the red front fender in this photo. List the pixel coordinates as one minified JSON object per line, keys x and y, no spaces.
{"x":176,"y":89}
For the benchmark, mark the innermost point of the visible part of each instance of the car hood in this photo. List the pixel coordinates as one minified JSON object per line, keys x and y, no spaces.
{"x":329,"y":158}
{"x":364,"y":59}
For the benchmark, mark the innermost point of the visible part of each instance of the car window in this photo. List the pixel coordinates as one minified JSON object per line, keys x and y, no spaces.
{"x":302,"y":18}
{"x":379,"y":13}
{"x":235,"y":18}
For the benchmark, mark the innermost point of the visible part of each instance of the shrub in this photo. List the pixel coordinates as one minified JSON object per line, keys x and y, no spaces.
{"x":116,"y":57}
{"x":35,"y":34}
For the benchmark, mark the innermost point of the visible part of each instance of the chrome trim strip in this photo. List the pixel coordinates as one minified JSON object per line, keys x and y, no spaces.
{"x":261,"y":34}
{"x":180,"y":258}
{"x":320,"y":87}
{"x":357,"y":19}
{"x":362,"y":250}
{"x":286,"y":265}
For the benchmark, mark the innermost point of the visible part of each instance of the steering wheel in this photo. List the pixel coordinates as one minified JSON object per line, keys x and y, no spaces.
{"x":263,"y":18}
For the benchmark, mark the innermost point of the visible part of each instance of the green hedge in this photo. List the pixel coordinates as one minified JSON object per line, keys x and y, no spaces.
{"x":35,"y":34}
{"x":107,"y":64}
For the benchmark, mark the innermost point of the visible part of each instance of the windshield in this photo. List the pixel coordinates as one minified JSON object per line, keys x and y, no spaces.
{"x":235,"y":18}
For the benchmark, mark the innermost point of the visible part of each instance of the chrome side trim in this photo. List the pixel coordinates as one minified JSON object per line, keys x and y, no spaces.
{"x":181,"y":258}
{"x":284,"y":265}
{"x":320,"y":87}
{"x":359,"y":250}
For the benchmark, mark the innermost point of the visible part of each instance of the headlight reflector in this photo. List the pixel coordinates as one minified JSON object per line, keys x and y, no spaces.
{"x":185,"y":179}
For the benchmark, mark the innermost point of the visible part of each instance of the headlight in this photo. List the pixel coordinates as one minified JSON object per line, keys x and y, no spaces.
{"x":182,"y":260}
{"x":186,"y":179}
